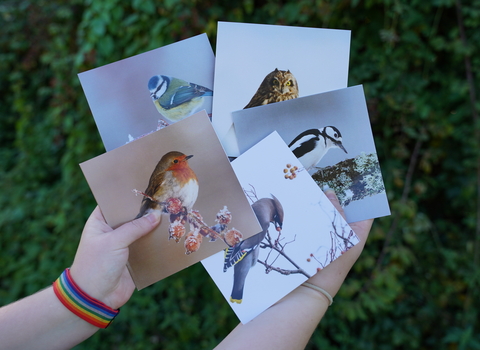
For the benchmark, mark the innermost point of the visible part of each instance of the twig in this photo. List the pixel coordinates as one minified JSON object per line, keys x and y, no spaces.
{"x":281,"y":252}
{"x":283,"y":271}
{"x":137,"y":192}
{"x":348,"y":244}
{"x":251,"y":194}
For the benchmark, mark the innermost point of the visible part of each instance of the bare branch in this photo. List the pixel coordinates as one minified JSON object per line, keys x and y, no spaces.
{"x":269,"y":268}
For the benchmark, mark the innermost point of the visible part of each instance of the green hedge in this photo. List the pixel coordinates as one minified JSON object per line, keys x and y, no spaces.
{"x":415,"y":286}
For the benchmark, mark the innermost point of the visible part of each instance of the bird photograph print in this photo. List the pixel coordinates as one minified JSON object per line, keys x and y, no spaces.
{"x":277,"y":86}
{"x":331,"y":136}
{"x":172,"y":189}
{"x":176,"y":99}
{"x":311,"y":145}
{"x":120,"y":94}
{"x":181,"y":173}
{"x":300,"y":232}
{"x":258,"y":64}
{"x":244,"y":254}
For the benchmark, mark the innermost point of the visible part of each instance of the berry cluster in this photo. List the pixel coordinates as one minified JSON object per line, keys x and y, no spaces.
{"x":193,"y":240}
{"x":290,"y":171}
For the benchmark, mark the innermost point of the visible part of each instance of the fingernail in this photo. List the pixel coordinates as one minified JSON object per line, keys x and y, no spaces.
{"x":153,"y":217}
{"x":330,"y":193}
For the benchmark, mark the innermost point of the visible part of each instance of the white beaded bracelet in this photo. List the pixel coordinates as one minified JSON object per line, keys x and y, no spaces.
{"x":321,"y":290}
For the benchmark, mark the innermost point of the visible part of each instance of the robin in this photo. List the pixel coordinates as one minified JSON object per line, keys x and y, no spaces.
{"x":172,"y":179}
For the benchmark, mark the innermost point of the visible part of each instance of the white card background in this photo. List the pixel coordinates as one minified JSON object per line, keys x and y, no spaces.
{"x":118,"y":95}
{"x":246,"y":53}
{"x":307,"y":225}
{"x":345,"y":109}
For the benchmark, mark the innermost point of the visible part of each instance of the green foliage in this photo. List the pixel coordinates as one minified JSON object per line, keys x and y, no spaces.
{"x":416,"y":284}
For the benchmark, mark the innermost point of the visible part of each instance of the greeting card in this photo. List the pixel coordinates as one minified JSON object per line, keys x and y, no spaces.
{"x":183,"y":173}
{"x":330,"y":133}
{"x":258,"y":64}
{"x":301,"y":231}
{"x":141,"y":94}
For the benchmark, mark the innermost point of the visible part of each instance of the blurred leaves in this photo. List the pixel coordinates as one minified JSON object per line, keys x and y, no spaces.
{"x":409,"y":55}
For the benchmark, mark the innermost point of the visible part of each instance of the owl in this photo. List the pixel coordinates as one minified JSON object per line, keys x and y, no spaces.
{"x":279,"y":85}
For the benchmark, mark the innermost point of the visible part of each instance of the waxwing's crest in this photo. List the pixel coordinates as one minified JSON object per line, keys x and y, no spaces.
{"x":279,"y":210}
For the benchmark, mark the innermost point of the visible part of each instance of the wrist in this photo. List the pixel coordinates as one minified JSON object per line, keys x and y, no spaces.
{"x":81,"y":304}
{"x":319,"y":290}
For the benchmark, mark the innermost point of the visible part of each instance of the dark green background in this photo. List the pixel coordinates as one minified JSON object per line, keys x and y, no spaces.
{"x":416,"y":284}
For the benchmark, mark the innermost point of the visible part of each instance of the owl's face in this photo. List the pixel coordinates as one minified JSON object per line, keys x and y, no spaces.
{"x":279,"y":85}
{"x":284,"y":83}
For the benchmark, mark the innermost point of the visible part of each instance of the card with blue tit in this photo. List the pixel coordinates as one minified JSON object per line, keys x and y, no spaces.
{"x":177,"y":78}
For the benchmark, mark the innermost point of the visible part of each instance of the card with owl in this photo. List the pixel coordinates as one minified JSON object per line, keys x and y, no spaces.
{"x":144,"y":93}
{"x":259,"y":64}
{"x":301,"y":233}
{"x":330,"y":134}
{"x":182,"y":174}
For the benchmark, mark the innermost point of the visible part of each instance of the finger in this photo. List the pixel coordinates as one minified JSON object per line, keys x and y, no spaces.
{"x":362,"y":228}
{"x":96,"y":224}
{"x":334,"y":199}
{"x":97,"y":214}
{"x":133,"y":230}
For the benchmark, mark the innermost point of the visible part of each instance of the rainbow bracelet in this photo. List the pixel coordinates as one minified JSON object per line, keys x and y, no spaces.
{"x":81,"y":304}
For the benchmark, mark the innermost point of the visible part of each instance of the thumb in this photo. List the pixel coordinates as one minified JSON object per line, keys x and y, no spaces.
{"x":334,"y":199}
{"x":133,"y":230}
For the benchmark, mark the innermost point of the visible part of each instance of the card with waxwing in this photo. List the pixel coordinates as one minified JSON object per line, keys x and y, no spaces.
{"x":260,"y":64}
{"x":143,"y":93}
{"x":301,"y":232}
{"x":183,"y":173}
{"x":331,"y":135}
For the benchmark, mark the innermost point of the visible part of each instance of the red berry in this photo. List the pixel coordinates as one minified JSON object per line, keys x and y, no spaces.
{"x":176,"y":230}
{"x":233,"y":237}
{"x":173,"y":205}
{"x":192,"y":242}
{"x":224,"y":216}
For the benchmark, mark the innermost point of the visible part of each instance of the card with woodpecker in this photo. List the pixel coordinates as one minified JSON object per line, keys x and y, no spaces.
{"x":331,"y":135}
{"x":183,"y":173}
{"x":143,"y":93}
{"x":301,"y":231}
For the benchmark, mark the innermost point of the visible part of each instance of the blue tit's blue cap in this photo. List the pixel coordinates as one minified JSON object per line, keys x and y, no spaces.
{"x":152,"y":83}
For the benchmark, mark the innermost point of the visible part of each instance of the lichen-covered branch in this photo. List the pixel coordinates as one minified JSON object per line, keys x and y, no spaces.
{"x":352,"y":179}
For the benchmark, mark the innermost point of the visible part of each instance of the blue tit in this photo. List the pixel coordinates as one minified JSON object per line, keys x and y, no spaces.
{"x":311,"y":145}
{"x":176,"y":99}
{"x":244,"y":255}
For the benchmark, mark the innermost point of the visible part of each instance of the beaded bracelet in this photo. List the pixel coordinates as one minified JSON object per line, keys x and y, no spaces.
{"x":321,"y":290}
{"x":81,"y":304}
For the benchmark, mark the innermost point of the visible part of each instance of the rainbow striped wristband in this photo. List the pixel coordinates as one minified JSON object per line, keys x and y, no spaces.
{"x":81,"y":304}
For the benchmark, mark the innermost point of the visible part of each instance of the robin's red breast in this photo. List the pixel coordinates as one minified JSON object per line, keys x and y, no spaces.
{"x":172,"y":178}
